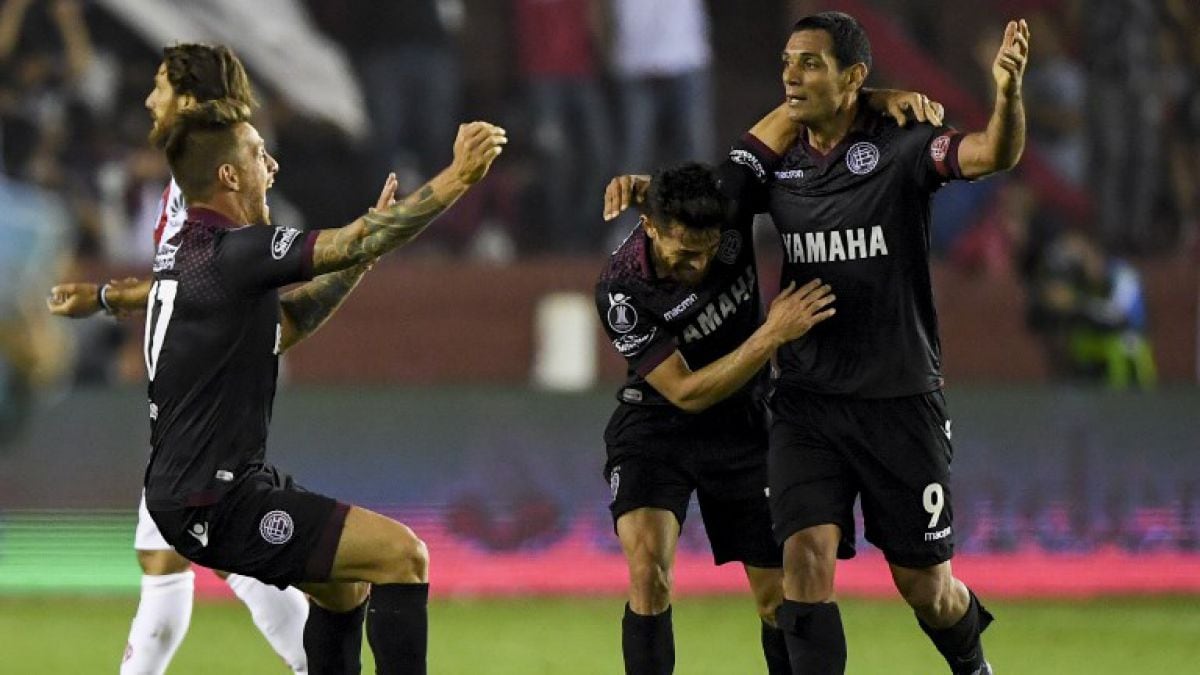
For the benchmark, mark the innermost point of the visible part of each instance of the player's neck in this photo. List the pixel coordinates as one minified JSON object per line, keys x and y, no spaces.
{"x":824,"y":136}
{"x":225,"y":204}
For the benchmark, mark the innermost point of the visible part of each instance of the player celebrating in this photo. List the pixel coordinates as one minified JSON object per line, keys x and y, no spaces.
{"x":189,"y":74}
{"x":858,"y":403}
{"x":214,"y":329}
{"x":681,"y":293}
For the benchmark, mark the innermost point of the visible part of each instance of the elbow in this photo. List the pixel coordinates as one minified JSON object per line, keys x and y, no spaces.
{"x":689,"y":402}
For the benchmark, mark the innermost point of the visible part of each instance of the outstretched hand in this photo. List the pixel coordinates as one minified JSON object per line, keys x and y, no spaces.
{"x":1009,"y":67}
{"x":622,"y":192}
{"x":796,"y":310}
{"x":477,"y":145}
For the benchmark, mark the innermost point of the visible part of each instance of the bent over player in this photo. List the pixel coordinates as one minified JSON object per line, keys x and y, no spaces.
{"x":215,"y":327}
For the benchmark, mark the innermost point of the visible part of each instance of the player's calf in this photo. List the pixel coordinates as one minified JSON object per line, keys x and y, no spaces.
{"x":949,"y":613}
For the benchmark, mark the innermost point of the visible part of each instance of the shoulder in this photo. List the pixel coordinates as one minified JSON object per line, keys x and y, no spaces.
{"x":628,"y":264}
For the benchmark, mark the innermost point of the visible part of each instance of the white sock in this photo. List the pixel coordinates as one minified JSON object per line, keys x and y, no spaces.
{"x":280,"y":615}
{"x":162,"y":619}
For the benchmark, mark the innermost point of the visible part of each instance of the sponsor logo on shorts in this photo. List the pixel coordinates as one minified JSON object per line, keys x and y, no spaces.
{"x":862,"y":158}
{"x":224,"y":476}
{"x":282,"y":242}
{"x":946,"y":430}
{"x":276,"y":527}
{"x":199,"y":532}
{"x":938,"y":535}
{"x":614,"y":481}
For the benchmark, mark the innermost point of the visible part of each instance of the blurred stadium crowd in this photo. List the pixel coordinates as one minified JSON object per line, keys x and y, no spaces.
{"x":588,"y":88}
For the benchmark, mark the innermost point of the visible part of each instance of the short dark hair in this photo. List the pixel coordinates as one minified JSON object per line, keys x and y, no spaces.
{"x":688,"y":193}
{"x":207,"y":73}
{"x":203,"y":138}
{"x":850,"y":43}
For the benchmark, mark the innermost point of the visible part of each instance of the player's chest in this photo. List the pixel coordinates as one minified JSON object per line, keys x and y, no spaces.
{"x":852,"y":187}
{"x":726,"y":303}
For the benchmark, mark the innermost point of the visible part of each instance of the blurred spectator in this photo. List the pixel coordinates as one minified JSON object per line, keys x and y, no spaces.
{"x":558,"y":61}
{"x":1090,"y":309}
{"x":1125,"y":115}
{"x":661,"y":55}
{"x":993,"y":245}
{"x":1055,"y":92}
{"x":406,"y":55}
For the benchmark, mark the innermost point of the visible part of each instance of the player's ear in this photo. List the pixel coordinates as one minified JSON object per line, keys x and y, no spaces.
{"x":227,"y":176}
{"x":184,"y":102}
{"x":855,"y":76}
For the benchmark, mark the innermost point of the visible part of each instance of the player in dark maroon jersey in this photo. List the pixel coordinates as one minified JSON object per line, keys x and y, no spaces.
{"x":215,"y":327}
{"x":858,"y":408}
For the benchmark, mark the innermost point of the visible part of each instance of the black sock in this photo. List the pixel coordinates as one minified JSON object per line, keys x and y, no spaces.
{"x":816,"y":643}
{"x":333,"y":640}
{"x":774,"y":646}
{"x":398,"y":628}
{"x":648,"y":643}
{"x":960,"y":644}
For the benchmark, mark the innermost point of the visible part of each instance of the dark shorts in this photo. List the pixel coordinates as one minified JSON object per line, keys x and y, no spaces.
{"x":265,"y":527}
{"x":657,"y":458}
{"x":826,"y":451}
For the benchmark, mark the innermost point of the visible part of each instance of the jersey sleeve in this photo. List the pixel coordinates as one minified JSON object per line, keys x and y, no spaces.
{"x":744,"y":174}
{"x":256,"y":259}
{"x":634,"y":331}
{"x":936,"y":160}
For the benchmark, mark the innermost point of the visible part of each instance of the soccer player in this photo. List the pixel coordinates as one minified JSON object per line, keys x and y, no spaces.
{"x":189,"y":74}
{"x":215,"y":327}
{"x":858,"y":405}
{"x":680,"y":301}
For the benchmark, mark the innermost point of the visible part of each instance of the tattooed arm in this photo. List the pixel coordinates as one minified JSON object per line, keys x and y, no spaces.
{"x":476,"y":147}
{"x":343,"y":255}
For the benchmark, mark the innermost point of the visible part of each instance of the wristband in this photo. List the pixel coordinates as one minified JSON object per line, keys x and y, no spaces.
{"x":100,"y":293}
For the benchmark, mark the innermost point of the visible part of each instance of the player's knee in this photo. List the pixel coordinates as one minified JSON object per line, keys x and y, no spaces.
{"x":650,"y":581}
{"x":808,"y":571}
{"x":766,"y":608}
{"x":408,"y":557}
{"x":161,"y":562}
{"x":928,"y":594}
{"x":341,"y":597}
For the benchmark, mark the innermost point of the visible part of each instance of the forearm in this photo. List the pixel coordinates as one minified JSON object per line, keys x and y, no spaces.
{"x":776,"y":131}
{"x":389,"y":228}
{"x":128,"y":298}
{"x":306,"y":308}
{"x":1000,"y":146}
{"x":727,"y":375}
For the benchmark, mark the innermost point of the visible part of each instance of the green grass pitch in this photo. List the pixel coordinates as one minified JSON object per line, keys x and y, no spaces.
{"x":52,"y":635}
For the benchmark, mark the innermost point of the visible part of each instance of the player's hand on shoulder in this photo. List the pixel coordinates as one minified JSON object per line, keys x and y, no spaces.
{"x":796,"y":310}
{"x":477,"y":145}
{"x":906,"y":106}
{"x":74,"y":300}
{"x":623,"y":191}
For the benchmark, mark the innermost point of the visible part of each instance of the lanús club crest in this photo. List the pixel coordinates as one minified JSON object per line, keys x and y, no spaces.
{"x":622,"y":317}
{"x":862,"y":158}
{"x":730,"y":246}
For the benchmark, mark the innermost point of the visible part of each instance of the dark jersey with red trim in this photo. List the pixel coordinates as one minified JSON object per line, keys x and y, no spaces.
{"x":648,"y":317}
{"x":211,"y":350}
{"x":858,"y":219}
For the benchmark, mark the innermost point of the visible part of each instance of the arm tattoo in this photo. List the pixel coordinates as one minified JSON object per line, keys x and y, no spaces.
{"x":381,"y":231}
{"x":309,"y":306}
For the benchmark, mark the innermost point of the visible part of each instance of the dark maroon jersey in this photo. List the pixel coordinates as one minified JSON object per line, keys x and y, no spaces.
{"x":648,"y":317}
{"x":858,"y":219}
{"x":211,"y":350}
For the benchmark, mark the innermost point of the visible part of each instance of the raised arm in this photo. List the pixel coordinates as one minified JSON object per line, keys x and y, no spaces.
{"x":305,"y":309}
{"x":475,"y":148}
{"x":792,"y":314}
{"x":1000,"y":146}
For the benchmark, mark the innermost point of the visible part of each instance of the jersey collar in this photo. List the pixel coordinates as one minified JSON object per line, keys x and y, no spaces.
{"x":861,"y":123}
{"x":210,"y":218}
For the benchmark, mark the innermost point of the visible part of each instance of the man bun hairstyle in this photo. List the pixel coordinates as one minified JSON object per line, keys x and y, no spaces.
{"x":202,"y":138}
{"x":850,"y":43}
{"x":207,"y":73}
{"x":688,"y":193}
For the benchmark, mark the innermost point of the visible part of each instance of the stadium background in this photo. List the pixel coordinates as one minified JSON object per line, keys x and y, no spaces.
{"x":464,"y":387}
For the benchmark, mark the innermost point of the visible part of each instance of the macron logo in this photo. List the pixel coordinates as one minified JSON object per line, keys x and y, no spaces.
{"x":200,"y":533}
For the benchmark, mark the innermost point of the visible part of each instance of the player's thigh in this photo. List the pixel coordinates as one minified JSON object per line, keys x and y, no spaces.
{"x":810,"y":479}
{"x":650,"y":474}
{"x":732,"y":493}
{"x":337,"y":596}
{"x":906,"y":492}
{"x":377,"y":549}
